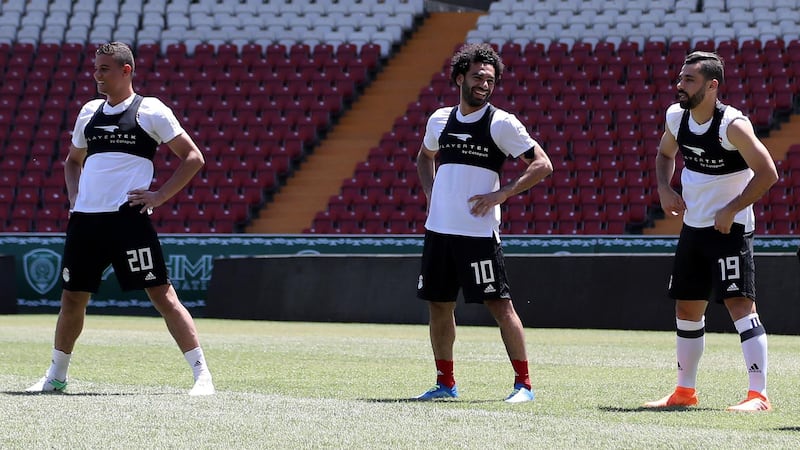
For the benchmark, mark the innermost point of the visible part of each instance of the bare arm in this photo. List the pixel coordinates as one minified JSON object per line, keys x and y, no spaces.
{"x":426,"y":170}
{"x":192,"y":161}
{"x":73,"y":166}
{"x":742,"y":136}
{"x":539,"y":167}
{"x":671,"y":202}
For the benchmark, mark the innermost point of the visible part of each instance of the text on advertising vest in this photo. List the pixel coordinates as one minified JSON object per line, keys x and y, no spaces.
{"x":119,"y":133}
{"x":470,"y":143}
{"x":704,"y":153}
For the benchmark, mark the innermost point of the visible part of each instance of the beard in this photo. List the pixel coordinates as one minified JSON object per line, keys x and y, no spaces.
{"x":691,"y":100}
{"x":466,"y":94}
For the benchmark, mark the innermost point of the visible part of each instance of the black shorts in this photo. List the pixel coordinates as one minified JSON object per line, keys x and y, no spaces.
{"x":473,"y":264}
{"x":713,"y":266}
{"x":125,"y":240}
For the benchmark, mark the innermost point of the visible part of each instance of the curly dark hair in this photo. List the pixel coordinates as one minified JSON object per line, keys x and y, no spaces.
{"x":120,"y":51}
{"x":472,"y":53}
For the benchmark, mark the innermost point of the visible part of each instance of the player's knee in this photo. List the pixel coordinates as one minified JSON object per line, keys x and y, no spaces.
{"x":74,"y":300}
{"x":502,"y":310}
{"x":740,"y":307}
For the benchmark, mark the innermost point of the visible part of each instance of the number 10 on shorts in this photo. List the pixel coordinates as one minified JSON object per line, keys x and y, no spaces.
{"x":484,"y":272}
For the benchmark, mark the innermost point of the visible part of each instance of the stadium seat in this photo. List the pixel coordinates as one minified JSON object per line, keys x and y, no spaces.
{"x":595,"y":104}
{"x":781,"y":227}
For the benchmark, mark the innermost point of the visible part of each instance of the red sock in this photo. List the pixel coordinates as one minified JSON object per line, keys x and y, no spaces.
{"x":521,"y":375}
{"x":444,"y":373}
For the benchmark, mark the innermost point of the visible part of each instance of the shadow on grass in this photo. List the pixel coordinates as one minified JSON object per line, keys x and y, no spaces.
{"x":413,"y":400}
{"x":788,"y":429}
{"x":617,"y":409}
{"x":75,"y":394}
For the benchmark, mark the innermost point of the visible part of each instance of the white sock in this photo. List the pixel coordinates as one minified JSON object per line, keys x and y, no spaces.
{"x":197,"y":361}
{"x":754,"y":349}
{"x":59,"y":365}
{"x":691,"y":342}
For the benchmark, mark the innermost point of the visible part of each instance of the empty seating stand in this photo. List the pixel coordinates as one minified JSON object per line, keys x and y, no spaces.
{"x":596,"y":103}
{"x":255,"y":95}
{"x":257,"y":84}
{"x":253,"y":131}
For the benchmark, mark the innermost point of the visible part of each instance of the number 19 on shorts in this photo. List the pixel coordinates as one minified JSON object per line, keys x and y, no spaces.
{"x":729,"y":268}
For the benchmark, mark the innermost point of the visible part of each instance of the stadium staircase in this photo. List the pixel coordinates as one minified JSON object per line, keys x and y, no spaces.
{"x":307,"y":192}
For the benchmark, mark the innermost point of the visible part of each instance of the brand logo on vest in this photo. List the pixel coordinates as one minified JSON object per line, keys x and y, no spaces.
{"x":696,"y":150}
{"x":461,"y":136}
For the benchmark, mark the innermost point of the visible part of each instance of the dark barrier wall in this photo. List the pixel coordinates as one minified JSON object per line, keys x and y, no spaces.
{"x":8,"y":285}
{"x":190,"y":260}
{"x":316,"y":288}
{"x":612,"y":292}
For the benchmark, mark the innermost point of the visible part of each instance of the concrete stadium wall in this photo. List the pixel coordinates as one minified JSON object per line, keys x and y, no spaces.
{"x":603,"y":292}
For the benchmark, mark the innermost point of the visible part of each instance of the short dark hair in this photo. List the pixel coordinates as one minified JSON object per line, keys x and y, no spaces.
{"x":472,"y":53}
{"x":711,"y":65}
{"x":120,"y":51}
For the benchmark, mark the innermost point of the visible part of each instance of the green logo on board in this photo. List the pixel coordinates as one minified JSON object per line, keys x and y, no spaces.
{"x":42,"y":269}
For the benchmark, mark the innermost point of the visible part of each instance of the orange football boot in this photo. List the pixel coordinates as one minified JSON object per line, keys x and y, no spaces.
{"x":682,"y":396}
{"x":753,"y":403}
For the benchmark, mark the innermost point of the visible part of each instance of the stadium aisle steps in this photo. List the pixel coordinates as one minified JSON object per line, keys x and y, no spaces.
{"x":361,"y":128}
{"x":665,"y":227}
{"x":779,"y":140}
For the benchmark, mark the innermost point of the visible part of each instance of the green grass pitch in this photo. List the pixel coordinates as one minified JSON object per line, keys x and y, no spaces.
{"x":343,"y":386}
